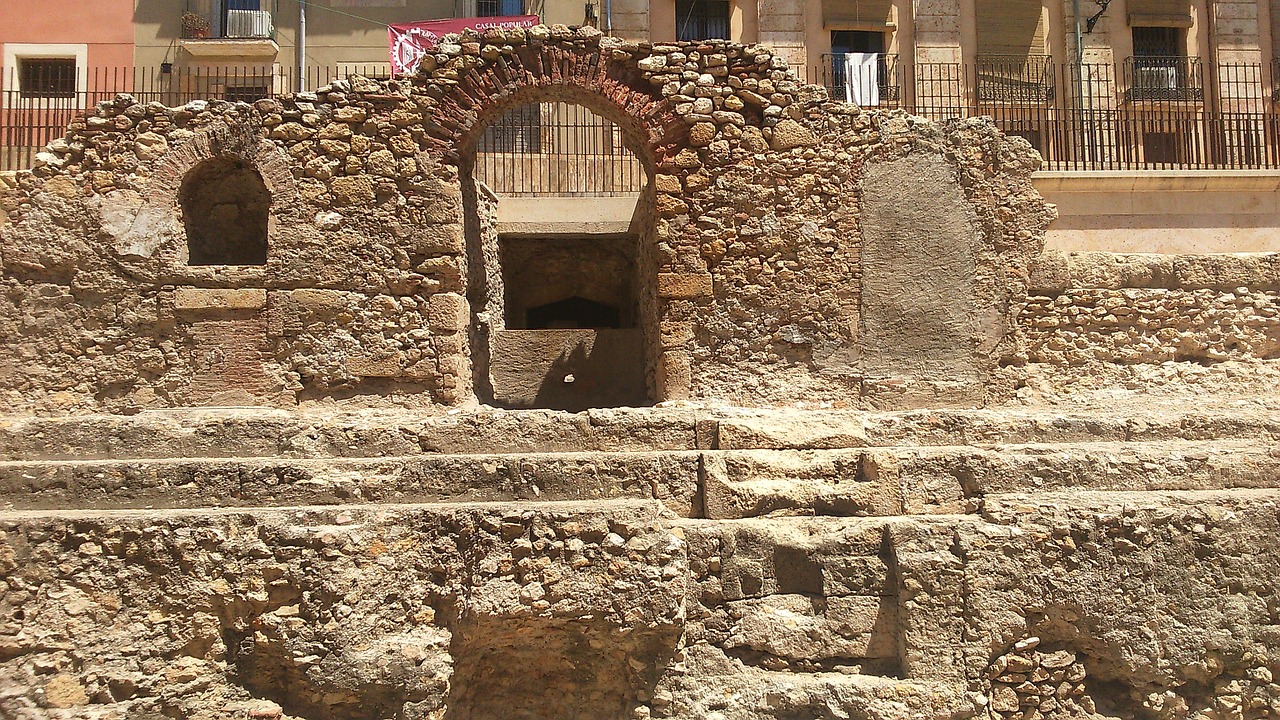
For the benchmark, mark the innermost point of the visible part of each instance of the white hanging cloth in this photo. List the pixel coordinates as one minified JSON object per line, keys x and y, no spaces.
{"x":862,"y":79}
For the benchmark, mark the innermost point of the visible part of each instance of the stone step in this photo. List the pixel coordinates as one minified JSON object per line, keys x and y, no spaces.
{"x":764,"y":694}
{"x":954,"y":479}
{"x":873,"y":481}
{"x":263,"y":432}
{"x":671,"y":477}
{"x":847,"y":429}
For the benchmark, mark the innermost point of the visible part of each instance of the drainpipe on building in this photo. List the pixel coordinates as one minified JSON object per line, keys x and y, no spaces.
{"x":608,"y":18}
{"x":1209,"y":70}
{"x":302,"y":45}
{"x":1075,"y":11}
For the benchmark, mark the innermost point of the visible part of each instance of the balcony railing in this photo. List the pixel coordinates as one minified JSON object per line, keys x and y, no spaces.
{"x":1148,"y":113}
{"x":1164,"y":79}
{"x":875,"y":83}
{"x":227,"y":20}
{"x":1014,"y":79}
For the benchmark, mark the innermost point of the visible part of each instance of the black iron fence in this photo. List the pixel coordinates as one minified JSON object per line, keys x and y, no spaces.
{"x":1150,"y":112}
{"x":556,"y":149}
{"x":38,"y":101}
{"x":1147,"y":112}
{"x":538,"y":149}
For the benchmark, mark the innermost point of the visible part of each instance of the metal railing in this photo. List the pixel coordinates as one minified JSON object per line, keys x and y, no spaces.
{"x":539,"y":149}
{"x":1080,"y":117}
{"x":1164,"y":79}
{"x":556,"y":149}
{"x":1159,"y":113}
{"x":846,"y":83}
{"x":1014,"y":79}
{"x":30,"y":120}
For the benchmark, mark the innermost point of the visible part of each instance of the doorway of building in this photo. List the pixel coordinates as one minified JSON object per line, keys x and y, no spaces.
{"x":564,"y":313}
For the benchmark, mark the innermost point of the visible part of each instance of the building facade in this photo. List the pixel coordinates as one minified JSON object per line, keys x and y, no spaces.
{"x":266,"y":38}
{"x":1145,"y":91}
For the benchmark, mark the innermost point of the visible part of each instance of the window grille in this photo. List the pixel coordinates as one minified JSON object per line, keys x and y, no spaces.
{"x":702,"y":19}
{"x":499,"y":8}
{"x":245,"y":93}
{"x":47,"y":77}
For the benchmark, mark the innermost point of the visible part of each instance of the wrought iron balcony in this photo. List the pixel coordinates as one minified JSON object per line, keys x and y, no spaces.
{"x":227,"y":20}
{"x":885,"y":79}
{"x":1016,"y":79}
{"x":1164,"y":79}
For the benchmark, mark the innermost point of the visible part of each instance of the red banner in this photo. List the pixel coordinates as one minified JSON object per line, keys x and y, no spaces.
{"x":410,"y":41}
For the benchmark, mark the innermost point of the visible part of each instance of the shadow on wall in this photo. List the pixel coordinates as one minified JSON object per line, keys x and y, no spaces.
{"x":542,"y":668}
{"x":569,"y":369}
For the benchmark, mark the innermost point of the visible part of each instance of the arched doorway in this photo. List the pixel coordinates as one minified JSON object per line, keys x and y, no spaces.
{"x":561,"y":283}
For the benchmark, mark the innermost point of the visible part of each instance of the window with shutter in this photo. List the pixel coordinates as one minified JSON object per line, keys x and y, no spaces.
{"x":873,"y":13}
{"x":1160,"y":13}
{"x":702,"y":19}
{"x":1160,"y":68}
{"x":1010,"y":28}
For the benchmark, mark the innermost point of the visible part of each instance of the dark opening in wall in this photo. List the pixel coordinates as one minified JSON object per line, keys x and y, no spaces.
{"x":575,"y":312}
{"x":563,"y":283}
{"x":225,"y":205}
{"x":571,"y":339}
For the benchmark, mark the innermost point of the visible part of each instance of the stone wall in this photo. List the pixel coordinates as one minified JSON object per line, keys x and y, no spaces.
{"x":667,"y":563}
{"x":750,"y":239}
{"x":1097,"y":543}
{"x":1147,"y":322}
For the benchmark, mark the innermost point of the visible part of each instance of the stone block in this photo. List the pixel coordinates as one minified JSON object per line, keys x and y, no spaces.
{"x":568,"y":369}
{"x":675,"y":375}
{"x":445,"y":238}
{"x":320,"y":301}
{"x":685,"y":285}
{"x":667,"y":205}
{"x":368,"y":366}
{"x":667,"y":184}
{"x":790,"y":134}
{"x":219,"y":299}
{"x":448,"y":312}
{"x":353,"y":191}
{"x":675,"y":334}
{"x":1049,"y":272}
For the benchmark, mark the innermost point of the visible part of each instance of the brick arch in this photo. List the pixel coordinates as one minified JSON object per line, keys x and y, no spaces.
{"x":224,"y":141}
{"x":151,"y":244}
{"x":683,"y":108}
{"x":579,"y":73}
{"x":637,"y":137}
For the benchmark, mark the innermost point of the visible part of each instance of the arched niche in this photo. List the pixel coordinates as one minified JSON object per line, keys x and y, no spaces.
{"x":225,"y":211}
{"x":561,"y":282}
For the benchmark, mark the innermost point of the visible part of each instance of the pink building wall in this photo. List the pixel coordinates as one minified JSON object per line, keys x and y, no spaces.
{"x":105,"y":26}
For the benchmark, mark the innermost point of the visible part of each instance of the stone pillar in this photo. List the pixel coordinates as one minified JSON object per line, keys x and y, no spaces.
{"x":1092,"y":88}
{"x":1237,"y":79}
{"x":662,"y":21}
{"x":744,"y":21}
{"x":783,"y":26}
{"x":630,"y":19}
{"x":939,"y":58}
{"x":903,"y":44}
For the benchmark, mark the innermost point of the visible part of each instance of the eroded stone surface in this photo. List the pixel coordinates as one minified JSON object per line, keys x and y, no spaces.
{"x":907,"y":466}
